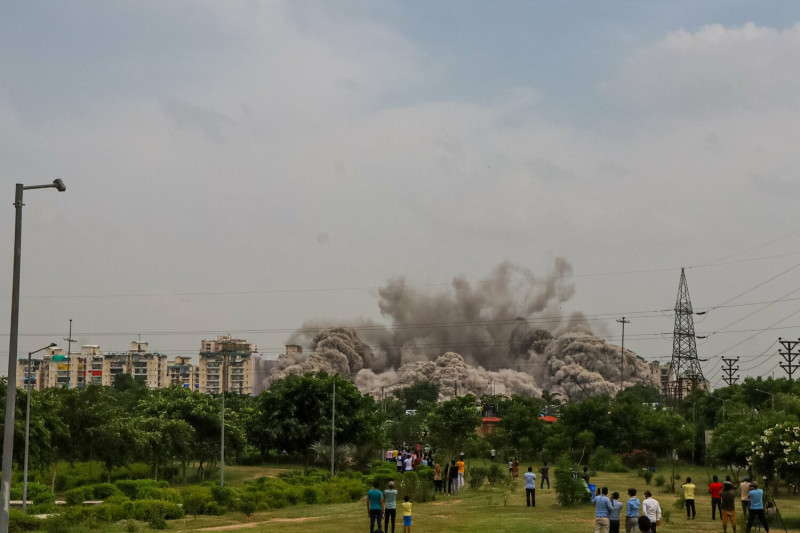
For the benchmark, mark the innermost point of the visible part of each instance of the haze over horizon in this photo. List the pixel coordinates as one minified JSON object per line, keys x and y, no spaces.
{"x":246,"y":167}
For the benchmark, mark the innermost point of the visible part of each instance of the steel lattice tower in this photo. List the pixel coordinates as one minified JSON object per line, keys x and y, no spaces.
{"x":685,"y":367}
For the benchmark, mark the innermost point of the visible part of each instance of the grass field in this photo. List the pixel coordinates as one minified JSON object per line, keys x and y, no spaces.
{"x":483,"y":510}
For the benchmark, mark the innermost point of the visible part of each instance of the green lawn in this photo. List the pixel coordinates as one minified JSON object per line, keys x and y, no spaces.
{"x":486,"y":510}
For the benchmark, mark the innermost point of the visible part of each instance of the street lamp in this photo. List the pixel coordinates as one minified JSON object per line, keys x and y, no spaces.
{"x":28,"y":427}
{"x":11,"y":384}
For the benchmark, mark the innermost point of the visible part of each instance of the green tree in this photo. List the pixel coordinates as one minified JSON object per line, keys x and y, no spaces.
{"x":418,"y":393}
{"x":295,"y":412}
{"x":452,"y":422}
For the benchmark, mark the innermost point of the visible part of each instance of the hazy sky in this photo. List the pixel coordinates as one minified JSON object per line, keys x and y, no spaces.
{"x":243,"y":166}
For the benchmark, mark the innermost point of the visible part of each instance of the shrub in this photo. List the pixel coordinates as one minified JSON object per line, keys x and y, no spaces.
{"x":223,"y":496}
{"x":214,"y":509}
{"x":477,"y":474}
{"x":77,"y":495}
{"x":310,"y":495}
{"x":248,"y":504}
{"x":148,"y":509}
{"x":195,"y":499}
{"x":102,"y":491}
{"x":647,"y":475}
{"x":496,"y":474}
{"x":638,"y":459}
{"x":19,"y":521}
{"x":569,"y":490}
{"x":660,"y":481}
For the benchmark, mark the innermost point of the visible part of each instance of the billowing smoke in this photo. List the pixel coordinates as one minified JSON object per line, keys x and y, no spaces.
{"x":453,"y":376}
{"x":505,"y":333}
{"x":334,"y":350}
{"x":579,"y":364}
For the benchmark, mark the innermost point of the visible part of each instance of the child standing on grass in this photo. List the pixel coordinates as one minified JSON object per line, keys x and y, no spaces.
{"x":406,"y":515}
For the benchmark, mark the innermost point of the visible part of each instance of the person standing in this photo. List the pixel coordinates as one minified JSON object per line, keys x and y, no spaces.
{"x":437,"y":477}
{"x":452,"y":477}
{"x":460,"y":465}
{"x":399,"y":463}
{"x":688,"y":496}
{"x":407,"y":463}
{"x":744,"y":488}
{"x":516,"y":468}
{"x":374,"y":507}
{"x":756,"y":507}
{"x":644,"y":524}
{"x":389,"y":507}
{"x":652,"y":510}
{"x":545,"y":471}
{"x":715,"y":487}
{"x":530,"y":487}
{"x":728,"y":497}
{"x":406,"y":515}
{"x":493,"y":454}
{"x":511,"y":468}
{"x":613,"y":516}
{"x":632,"y":511}
{"x":602,"y":510}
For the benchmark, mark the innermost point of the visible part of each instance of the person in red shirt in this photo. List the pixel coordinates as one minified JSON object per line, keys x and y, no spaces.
{"x":715,"y":487}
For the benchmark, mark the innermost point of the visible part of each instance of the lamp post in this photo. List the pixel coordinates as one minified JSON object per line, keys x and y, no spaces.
{"x":11,"y":384}
{"x":28,"y":427}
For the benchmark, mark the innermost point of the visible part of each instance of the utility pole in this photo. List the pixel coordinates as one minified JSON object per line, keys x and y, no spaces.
{"x":790,"y":366}
{"x":333,"y":422}
{"x":729,"y":370}
{"x":622,"y":352}
{"x":222,"y":430}
{"x":70,"y":340}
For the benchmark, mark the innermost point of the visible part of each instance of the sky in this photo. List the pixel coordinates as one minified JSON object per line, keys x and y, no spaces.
{"x":244,"y":166}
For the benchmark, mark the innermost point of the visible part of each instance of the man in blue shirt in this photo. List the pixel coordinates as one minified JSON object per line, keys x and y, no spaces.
{"x":602,"y":510}
{"x":374,"y":507}
{"x":756,"y":507}
{"x":631,"y":512}
{"x":530,"y":487}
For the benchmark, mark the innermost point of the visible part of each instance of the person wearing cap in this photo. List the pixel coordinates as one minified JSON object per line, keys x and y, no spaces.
{"x":390,"y":507}
{"x":756,"y":508}
{"x":744,"y":488}
{"x":728,"y":497}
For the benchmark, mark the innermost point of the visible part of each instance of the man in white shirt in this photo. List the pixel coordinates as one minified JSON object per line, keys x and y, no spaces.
{"x":652,"y":510}
{"x":530,"y":487}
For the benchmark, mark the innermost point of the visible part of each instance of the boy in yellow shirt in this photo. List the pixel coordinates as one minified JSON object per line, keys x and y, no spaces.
{"x":688,"y":495}
{"x":406,"y":515}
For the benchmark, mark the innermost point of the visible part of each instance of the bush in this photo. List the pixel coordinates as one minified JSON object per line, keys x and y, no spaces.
{"x":569,"y":490}
{"x":607,"y":461}
{"x":77,"y":495}
{"x":224,"y":496}
{"x":214,"y":509}
{"x":310,"y":495}
{"x":496,"y":474}
{"x":195,"y":499}
{"x":101,"y":491}
{"x":19,"y":521}
{"x":647,"y":475}
{"x":477,"y":474}
{"x":248,"y":505}
{"x":149,"y":509}
{"x":638,"y":459}
{"x":660,"y":481}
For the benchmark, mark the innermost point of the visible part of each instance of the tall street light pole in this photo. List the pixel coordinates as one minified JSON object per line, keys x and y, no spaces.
{"x":11,"y":384}
{"x":28,"y":427}
{"x":622,"y":352}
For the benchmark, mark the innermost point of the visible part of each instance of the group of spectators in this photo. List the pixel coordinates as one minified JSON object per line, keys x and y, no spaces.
{"x":646,"y":515}
{"x":723,"y":499}
{"x":409,"y":460}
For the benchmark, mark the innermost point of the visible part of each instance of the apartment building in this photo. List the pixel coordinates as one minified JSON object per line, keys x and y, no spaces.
{"x":182,"y":373}
{"x":226,"y":364}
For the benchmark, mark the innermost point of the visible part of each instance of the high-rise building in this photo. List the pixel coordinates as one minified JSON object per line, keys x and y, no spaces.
{"x":226,"y":364}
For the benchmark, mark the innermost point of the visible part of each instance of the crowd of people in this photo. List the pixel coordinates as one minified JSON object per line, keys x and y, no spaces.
{"x":639,"y":516}
{"x":723,"y":499}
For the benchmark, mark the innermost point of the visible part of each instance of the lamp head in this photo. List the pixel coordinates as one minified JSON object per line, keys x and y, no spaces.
{"x":58,"y":184}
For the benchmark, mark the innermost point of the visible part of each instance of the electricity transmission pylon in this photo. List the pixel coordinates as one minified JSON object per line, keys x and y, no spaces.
{"x":685,"y":366}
